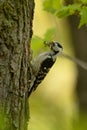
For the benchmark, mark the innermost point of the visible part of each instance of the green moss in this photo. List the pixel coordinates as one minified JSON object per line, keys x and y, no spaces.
{"x":4,"y":120}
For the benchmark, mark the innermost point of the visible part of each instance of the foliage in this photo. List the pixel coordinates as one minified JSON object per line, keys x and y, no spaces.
{"x":78,"y":8}
{"x":38,"y":40}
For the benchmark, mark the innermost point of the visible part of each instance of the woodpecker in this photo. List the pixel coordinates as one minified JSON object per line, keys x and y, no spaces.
{"x":43,"y":63}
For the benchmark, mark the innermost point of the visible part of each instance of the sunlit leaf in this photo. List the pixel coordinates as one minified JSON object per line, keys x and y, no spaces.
{"x":68,"y":10}
{"x":64,"y":12}
{"x":37,"y":42}
{"x":83,"y":15}
{"x":49,"y":35}
{"x":52,"y":5}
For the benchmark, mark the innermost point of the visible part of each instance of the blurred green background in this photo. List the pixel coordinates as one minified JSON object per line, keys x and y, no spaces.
{"x":57,"y":104}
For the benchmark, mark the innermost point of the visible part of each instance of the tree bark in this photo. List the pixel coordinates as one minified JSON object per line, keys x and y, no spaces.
{"x":79,"y":37}
{"x":80,"y":45}
{"x":15,"y":35}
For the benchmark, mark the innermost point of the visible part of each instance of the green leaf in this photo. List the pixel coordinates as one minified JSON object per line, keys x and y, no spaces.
{"x":49,"y":35}
{"x":68,"y":10}
{"x":83,"y":15}
{"x":37,"y":42}
{"x":64,"y":12}
{"x":52,"y":5}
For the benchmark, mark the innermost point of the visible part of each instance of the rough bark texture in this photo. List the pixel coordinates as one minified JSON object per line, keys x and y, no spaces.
{"x":15,"y":34}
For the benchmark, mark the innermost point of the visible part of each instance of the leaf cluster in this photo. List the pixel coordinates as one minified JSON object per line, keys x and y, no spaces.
{"x":57,"y":7}
{"x":36,"y":41}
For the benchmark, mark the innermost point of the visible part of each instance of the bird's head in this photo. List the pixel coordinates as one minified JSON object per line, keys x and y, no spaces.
{"x":54,"y":46}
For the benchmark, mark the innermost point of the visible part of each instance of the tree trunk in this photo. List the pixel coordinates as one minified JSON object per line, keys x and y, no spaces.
{"x":80,"y":45}
{"x":15,"y":34}
{"x":79,"y":37}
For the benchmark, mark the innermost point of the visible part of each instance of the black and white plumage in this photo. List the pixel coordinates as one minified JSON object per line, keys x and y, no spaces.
{"x":43,"y":63}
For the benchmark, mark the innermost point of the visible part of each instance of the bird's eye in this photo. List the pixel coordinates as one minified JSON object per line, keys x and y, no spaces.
{"x":59,"y":45}
{"x":56,"y":44}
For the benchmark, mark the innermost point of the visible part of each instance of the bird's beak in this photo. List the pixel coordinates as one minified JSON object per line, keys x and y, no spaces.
{"x":47,"y":43}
